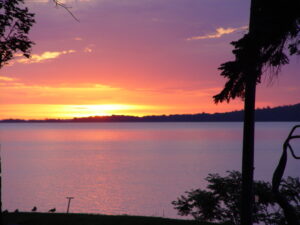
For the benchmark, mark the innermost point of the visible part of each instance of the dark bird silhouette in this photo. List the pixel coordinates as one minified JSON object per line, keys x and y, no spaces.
{"x":34,"y":209}
{"x":5,"y":211}
{"x":16,"y":211}
{"x":52,"y":210}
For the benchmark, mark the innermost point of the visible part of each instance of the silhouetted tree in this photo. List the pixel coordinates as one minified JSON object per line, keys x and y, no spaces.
{"x":282,"y":199}
{"x":273,"y":28}
{"x":219,"y":202}
{"x":15,"y":23}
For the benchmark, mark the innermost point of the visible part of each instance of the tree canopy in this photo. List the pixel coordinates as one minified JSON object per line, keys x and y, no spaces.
{"x":15,"y":23}
{"x":275,"y":34}
{"x":219,"y":202}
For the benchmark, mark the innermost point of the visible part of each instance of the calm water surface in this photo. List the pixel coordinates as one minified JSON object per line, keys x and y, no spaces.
{"x":125,"y":168}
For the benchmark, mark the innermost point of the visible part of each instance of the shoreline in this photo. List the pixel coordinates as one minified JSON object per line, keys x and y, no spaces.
{"x":39,"y":218}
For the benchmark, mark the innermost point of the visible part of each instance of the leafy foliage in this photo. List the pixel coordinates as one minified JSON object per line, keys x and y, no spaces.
{"x":222,"y":202}
{"x":274,"y":30}
{"x":15,"y":23}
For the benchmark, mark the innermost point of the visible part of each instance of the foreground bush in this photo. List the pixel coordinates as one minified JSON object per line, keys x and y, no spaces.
{"x":221,"y":201}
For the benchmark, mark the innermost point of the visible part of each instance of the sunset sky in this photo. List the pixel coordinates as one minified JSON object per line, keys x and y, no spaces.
{"x":136,"y":57}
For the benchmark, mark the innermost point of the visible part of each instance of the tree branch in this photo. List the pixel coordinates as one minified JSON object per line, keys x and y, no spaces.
{"x":67,"y":8}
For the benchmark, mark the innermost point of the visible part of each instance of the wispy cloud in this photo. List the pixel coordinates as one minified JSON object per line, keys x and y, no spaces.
{"x":35,"y":58}
{"x":218,"y":33}
{"x":3,"y":78}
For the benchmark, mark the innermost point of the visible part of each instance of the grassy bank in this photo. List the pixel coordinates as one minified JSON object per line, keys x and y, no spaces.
{"x":89,"y":219}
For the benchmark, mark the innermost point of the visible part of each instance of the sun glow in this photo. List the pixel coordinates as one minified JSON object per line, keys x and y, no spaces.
{"x":48,"y":111}
{"x":101,"y":110}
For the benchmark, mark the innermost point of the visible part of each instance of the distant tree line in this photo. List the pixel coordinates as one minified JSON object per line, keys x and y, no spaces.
{"x":282,"y":113}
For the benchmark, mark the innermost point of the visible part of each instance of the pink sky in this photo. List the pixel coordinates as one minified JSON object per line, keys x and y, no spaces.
{"x":132,"y":57}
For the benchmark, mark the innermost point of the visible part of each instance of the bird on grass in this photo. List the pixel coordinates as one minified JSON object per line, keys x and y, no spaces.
{"x":16,"y":211}
{"x":52,"y":210}
{"x":34,"y":209}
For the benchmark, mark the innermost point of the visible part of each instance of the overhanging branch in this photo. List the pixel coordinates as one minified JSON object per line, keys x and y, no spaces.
{"x":67,"y":8}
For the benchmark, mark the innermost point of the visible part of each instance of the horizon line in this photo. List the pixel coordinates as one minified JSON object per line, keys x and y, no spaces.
{"x":137,"y":116}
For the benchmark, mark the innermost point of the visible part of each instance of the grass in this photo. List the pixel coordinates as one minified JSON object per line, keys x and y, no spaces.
{"x":26,"y":218}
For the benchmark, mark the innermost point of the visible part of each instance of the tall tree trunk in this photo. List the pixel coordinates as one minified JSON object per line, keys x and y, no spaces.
{"x":248,"y":154}
{"x":249,"y":121}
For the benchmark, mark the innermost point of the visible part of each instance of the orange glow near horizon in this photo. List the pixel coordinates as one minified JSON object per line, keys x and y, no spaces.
{"x":48,"y":111}
{"x":101,"y":110}
{"x":26,"y":101}
{"x":45,"y":111}
{"x":23,"y":101}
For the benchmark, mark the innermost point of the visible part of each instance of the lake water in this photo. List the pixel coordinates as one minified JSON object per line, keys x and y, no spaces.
{"x":126,"y":168}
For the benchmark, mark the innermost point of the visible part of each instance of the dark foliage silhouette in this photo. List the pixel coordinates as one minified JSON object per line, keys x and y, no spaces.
{"x":271,"y":34}
{"x":15,"y":24}
{"x":283,"y":199}
{"x":273,"y":27}
{"x":220,"y":202}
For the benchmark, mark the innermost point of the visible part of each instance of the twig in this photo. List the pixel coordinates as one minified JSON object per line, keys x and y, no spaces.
{"x":58,"y":3}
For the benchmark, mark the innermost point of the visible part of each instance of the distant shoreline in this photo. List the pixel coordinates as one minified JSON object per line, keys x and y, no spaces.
{"x":277,"y":114}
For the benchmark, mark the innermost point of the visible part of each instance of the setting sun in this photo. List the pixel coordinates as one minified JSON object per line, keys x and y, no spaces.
{"x":99,"y":110}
